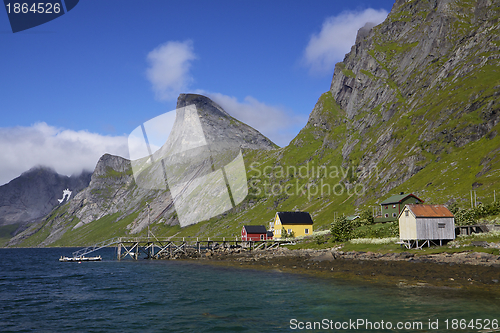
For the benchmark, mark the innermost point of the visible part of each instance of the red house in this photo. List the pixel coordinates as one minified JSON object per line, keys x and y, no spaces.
{"x":255,"y":233}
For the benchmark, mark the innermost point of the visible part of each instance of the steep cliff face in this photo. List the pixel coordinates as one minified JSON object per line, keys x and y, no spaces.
{"x":113,"y":194}
{"x":416,"y":88}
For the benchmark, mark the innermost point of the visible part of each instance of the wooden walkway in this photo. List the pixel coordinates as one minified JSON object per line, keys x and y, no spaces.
{"x":172,"y":247}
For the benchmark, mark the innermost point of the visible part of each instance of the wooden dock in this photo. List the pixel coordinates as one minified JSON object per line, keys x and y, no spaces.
{"x":175,"y":247}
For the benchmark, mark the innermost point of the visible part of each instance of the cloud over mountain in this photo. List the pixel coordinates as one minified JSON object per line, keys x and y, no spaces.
{"x":169,"y":66}
{"x":336,"y":37}
{"x":276,"y":122}
{"x":66,"y":151}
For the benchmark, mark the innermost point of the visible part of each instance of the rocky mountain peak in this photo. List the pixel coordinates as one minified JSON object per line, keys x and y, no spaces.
{"x":110,"y":163}
{"x":218,"y":126}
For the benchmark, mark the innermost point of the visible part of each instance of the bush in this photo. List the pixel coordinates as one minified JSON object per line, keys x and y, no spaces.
{"x":366,"y":217}
{"x":381,"y":230}
{"x":341,"y":229}
{"x":471,"y":215}
{"x":285,"y":234}
{"x":319,"y":239}
{"x":454,"y":208}
{"x":465,"y":217}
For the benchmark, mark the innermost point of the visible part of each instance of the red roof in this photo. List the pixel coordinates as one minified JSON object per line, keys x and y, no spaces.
{"x":430,"y":211}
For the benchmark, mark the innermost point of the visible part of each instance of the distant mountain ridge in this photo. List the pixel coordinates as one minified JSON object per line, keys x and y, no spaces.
{"x":113,"y":195}
{"x":413,"y":107}
{"x":35,"y":193}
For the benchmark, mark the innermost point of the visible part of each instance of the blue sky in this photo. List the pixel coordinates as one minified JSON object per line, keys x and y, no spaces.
{"x":75,"y":87}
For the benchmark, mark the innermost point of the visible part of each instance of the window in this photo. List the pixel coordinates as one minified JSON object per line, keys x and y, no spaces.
{"x":441,"y":225}
{"x":261,"y":237}
{"x":289,"y":231}
{"x":393,"y":206}
{"x":386,"y":207}
{"x":393,"y":214}
{"x":386,"y":215}
{"x":407,"y":213}
{"x":306,"y":231}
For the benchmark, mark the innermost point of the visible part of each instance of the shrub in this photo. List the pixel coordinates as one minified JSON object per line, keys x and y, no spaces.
{"x":285,"y":234}
{"x":341,"y":229}
{"x":471,"y":215}
{"x":366,"y":217}
{"x":465,"y":217}
{"x":319,"y":239}
{"x":382,"y":230}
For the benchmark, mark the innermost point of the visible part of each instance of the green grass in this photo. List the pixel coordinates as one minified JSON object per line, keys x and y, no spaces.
{"x":389,"y":248}
{"x":99,"y":230}
{"x":448,"y":170}
{"x":6,"y":233}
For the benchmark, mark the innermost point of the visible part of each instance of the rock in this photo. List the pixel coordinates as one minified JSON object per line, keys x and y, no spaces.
{"x":480,"y":244}
{"x":326,"y":256}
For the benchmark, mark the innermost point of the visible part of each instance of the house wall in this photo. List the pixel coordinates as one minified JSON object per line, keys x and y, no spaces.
{"x":251,"y":237}
{"x":407,"y":226}
{"x":254,"y":237}
{"x":413,"y":228}
{"x":394,"y":209}
{"x":277,"y":227}
{"x":428,"y":228}
{"x":298,"y":229}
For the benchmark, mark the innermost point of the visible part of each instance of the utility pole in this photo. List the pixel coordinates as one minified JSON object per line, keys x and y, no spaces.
{"x":149,"y":219}
{"x":475,"y":199}
{"x":471,"y":202}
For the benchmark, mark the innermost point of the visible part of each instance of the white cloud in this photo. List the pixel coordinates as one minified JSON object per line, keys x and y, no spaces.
{"x":169,"y":66}
{"x":336,"y":37}
{"x":276,"y":122}
{"x":67,"y":151}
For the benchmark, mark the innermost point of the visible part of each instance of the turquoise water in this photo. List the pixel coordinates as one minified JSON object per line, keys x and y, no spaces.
{"x":40,"y":294}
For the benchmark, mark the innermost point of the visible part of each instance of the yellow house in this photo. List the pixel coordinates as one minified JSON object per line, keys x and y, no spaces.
{"x":300,"y":223}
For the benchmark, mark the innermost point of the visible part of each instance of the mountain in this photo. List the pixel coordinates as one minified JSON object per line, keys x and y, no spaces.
{"x":419,"y":98}
{"x":115,"y":202}
{"x":413,"y":107}
{"x":31,"y":196}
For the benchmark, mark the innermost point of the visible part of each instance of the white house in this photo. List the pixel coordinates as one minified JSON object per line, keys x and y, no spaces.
{"x":427,"y":224}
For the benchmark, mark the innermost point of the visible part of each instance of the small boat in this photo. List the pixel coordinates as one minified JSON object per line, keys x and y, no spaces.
{"x":79,"y":259}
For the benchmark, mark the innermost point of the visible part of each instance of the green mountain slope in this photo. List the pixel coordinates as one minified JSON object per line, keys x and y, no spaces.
{"x":414,"y":107}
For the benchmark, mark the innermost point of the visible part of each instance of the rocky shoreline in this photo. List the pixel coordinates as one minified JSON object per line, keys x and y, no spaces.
{"x":469,"y":270}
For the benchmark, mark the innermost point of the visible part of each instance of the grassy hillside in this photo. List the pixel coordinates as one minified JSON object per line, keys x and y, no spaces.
{"x":414,"y":107}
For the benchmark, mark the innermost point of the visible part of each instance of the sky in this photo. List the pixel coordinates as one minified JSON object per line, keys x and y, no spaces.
{"x":74,"y":88}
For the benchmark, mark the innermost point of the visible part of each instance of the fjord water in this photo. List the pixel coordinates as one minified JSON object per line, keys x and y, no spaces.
{"x":38,"y":293}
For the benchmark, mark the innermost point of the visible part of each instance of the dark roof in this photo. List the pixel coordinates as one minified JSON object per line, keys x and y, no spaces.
{"x":295,"y":218}
{"x":399,"y":198}
{"x":270,"y":234}
{"x":255,"y":229}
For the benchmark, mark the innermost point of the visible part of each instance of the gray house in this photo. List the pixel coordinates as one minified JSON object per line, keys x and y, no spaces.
{"x":421,"y":225}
